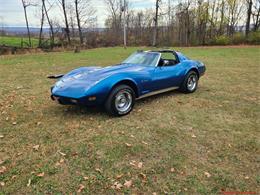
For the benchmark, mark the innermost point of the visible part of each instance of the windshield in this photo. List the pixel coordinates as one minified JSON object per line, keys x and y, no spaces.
{"x":143,"y":58}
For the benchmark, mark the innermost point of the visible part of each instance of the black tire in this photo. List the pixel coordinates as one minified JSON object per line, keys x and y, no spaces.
{"x":111,"y":104}
{"x":186,"y":86}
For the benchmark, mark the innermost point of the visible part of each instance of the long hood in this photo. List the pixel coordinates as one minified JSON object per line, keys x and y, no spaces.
{"x":97,"y":73}
{"x":79,"y":81}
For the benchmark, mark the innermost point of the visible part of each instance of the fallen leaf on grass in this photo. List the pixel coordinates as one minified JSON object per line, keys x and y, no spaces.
{"x":1,"y":136}
{"x":85,"y":178}
{"x":2,"y":183}
{"x":133,"y":163}
{"x":143,"y":176}
{"x":2,"y":169}
{"x":81,"y":187}
{"x":40,"y":174}
{"x":36,"y":147}
{"x":19,"y":87}
{"x":140,"y":165}
{"x":193,"y":136}
{"x":117,"y":186}
{"x":61,"y":153}
{"x":128,"y":184}
{"x":172,"y":170}
{"x":246,"y":177}
{"x":207,"y":174}
{"x":98,"y":170}
{"x":59,"y":162}
{"x":119,"y":176}
{"x":38,"y":123}
{"x":132,"y":136}
{"x":2,"y":162}
{"x":136,"y":164}
{"x":29,"y":182}
{"x":145,"y":143}
{"x":74,"y":154}
{"x":128,"y":145}
{"x":14,"y":123}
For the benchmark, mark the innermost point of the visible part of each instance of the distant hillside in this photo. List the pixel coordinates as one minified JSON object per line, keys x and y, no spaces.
{"x":35,"y":30}
{"x":22,"y":30}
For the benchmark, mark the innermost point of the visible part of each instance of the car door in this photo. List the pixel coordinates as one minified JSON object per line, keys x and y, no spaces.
{"x":167,"y":76}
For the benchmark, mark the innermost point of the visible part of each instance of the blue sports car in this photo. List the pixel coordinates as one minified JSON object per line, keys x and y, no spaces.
{"x":117,"y":87}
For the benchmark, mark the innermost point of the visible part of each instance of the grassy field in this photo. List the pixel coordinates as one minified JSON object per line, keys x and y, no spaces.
{"x":17,"y":41}
{"x":201,"y":143}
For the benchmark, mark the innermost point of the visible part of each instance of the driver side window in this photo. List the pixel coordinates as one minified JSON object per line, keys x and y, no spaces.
{"x":168,"y":59}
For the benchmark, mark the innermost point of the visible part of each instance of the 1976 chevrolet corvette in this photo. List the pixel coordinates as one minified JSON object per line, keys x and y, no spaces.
{"x":116,"y":87}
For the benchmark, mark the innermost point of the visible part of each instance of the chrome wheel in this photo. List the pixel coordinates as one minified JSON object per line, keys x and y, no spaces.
{"x":123,"y":101}
{"x":192,"y":82}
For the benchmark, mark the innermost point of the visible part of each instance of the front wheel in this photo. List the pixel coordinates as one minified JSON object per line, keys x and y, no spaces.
{"x":190,"y":83}
{"x":121,"y":100}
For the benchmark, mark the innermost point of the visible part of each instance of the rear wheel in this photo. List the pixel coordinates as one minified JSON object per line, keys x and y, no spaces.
{"x":120,"y":101}
{"x":190,"y":83}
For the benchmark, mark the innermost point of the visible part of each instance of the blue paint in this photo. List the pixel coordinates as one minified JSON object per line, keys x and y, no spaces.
{"x":85,"y":82}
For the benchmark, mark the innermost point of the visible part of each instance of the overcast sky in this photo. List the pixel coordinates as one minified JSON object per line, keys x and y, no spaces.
{"x":11,"y":12}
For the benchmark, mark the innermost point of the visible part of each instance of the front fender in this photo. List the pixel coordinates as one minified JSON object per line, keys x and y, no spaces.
{"x":103,"y":87}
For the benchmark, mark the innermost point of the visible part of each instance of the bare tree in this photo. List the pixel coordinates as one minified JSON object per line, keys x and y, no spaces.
{"x":25,"y":5}
{"x":213,"y":8}
{"x":41,"y":28}
{"x":72,"y":21}
{"x":114,"y":21}
{"x":78,"y":20}
{"x":49,"y":21}
{"x":234,"y":14}
{"x":155,"y":33}
{"x":67,"y":30}
{"x":85,"y":14}
{"x":249,"y":13}
{"x":222,"y":17}
{"x":256,"y":15}
{"x":202,"y":20}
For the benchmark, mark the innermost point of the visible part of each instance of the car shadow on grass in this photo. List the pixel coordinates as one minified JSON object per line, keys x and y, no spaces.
{"x":151,"y":99}
{"x":94,"y":111}
{"x":99,"y":111}
{"x":91,"y":111}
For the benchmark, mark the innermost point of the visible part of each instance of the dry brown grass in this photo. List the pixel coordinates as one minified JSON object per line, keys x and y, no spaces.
{"x":215,"y":130}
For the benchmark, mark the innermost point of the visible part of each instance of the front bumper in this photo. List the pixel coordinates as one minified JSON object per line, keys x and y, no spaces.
{"x":86,"y":101}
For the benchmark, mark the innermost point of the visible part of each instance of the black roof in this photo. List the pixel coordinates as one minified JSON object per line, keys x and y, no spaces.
{"x":160,"y":51}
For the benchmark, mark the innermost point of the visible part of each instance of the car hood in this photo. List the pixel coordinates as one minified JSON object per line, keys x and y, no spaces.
{"x":97,"y":73}
{"x":78,"y":81}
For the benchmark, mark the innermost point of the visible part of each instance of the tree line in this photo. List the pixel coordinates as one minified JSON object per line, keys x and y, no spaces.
{"x":168,"y":23}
